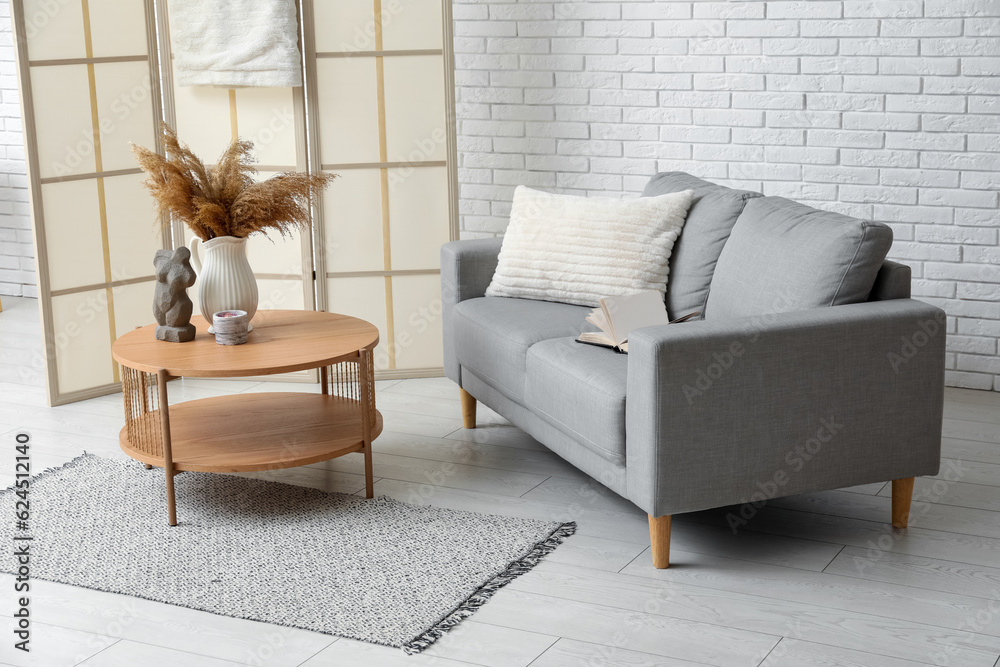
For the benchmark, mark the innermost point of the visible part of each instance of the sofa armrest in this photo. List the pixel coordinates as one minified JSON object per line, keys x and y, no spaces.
{"x":724,"y":412}
{"x":467,"y":268}
{"x":891,"y":282}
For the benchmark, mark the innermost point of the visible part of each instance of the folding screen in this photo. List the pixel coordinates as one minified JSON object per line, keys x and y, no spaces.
{"x":376,"y":109}
{"x":89,"y":86}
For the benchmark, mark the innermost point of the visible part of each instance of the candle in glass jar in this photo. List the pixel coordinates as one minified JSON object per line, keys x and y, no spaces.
{"x":230,"y":326}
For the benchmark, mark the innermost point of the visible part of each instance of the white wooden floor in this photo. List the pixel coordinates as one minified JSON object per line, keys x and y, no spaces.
{"x":813,"y":580}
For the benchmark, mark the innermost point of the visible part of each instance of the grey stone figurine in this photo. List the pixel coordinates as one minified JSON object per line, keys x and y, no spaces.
{"x":171,"y":306}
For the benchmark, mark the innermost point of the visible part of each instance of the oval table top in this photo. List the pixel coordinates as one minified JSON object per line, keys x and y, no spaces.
{"x":282,"y":341}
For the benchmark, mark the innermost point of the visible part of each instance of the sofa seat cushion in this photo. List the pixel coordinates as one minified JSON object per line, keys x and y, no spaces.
{"x":580,"y":389}
{"x":492,"y":336}
{"x":713,"y":213}
{"x":784,"y":256}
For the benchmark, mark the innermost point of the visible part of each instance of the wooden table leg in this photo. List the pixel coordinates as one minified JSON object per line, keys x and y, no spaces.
{"x":369,"y":484}
{"x":365,"y":392}
{"x":168,"y":459}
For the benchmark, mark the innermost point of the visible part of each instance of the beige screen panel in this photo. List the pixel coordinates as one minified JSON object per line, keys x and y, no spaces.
{"x":353,"y":240}
{"x":64,"y":121}
{"x":344,"y":25}
{"x":113,"y":28}
{"x":209,"y":118}
{"x":363,"y":297}
{"x":81,"y":335}
{"x":124,"y":108}
{"x":415,"y":132}
{"x":417,"y":317}
{"x":133,"y":305}
{"x":412,"y":24}
{"x":380,"y":98}
{"x":134,"y":230}
{"x":203,"y":119}
{"x":418,"y":202}
{"x":266,"y":116}
{"x":53,"y":30}
{"x":95,"y":228}
{"x":347,"y":97}
{"x":274,"y":254}
{"x":75,"y":248}
{"x":280,"y":295}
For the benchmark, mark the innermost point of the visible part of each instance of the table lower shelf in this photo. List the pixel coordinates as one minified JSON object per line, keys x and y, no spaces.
{"x":267,"y":431}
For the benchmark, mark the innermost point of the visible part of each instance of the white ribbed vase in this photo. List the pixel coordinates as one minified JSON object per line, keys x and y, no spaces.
{"x":225,"y":279}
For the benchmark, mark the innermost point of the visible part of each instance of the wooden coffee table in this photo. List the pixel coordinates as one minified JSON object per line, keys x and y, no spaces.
{"x":245,"y":432}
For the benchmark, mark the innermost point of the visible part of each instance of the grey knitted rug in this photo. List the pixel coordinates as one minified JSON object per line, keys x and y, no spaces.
{"x":380,"y":570}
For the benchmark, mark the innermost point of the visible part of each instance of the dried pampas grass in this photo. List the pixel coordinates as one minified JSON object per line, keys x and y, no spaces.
{"x":226,"y":200}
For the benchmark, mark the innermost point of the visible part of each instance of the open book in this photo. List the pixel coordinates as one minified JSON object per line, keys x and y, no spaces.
{"x":617,"y":316}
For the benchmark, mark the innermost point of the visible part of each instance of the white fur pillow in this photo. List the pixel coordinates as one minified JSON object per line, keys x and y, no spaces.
{"x":578,"y":249}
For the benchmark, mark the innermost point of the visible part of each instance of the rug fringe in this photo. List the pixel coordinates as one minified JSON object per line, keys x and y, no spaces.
{"x":486,"y":591}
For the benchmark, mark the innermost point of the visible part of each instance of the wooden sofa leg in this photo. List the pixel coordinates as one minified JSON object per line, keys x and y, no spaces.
{"x":659,"y":540}
{"x":902,"y":493}
{"x":468,"y":409}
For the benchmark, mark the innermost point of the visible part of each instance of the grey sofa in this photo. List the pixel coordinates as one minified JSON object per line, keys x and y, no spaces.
{"x":811,"y":369}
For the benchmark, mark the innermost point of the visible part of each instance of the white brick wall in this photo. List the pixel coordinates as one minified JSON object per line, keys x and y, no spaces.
{"x":17,"y":263}
{"x":881,"y":109}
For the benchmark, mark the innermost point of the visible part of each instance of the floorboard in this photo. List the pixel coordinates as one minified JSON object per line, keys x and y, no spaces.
{"x":345,"y":652}
{"x":973,"y":412}
{"x":50,"y":645}
{"x":958,"y":395}
{"x":970,"y":450}
{"x":971,"y":430}
{"x":798,"y":653}
{"x":969,"y":471}
{"x":835,"y":588}
{"x":130,"y":654}
{"x":573,"y":653}
{"x":920,"y":573}
{"x":641,"y":631}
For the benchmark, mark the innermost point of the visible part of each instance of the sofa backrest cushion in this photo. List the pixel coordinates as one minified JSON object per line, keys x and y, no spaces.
{"x":709,"y":222}
{"x":784,"y":256}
